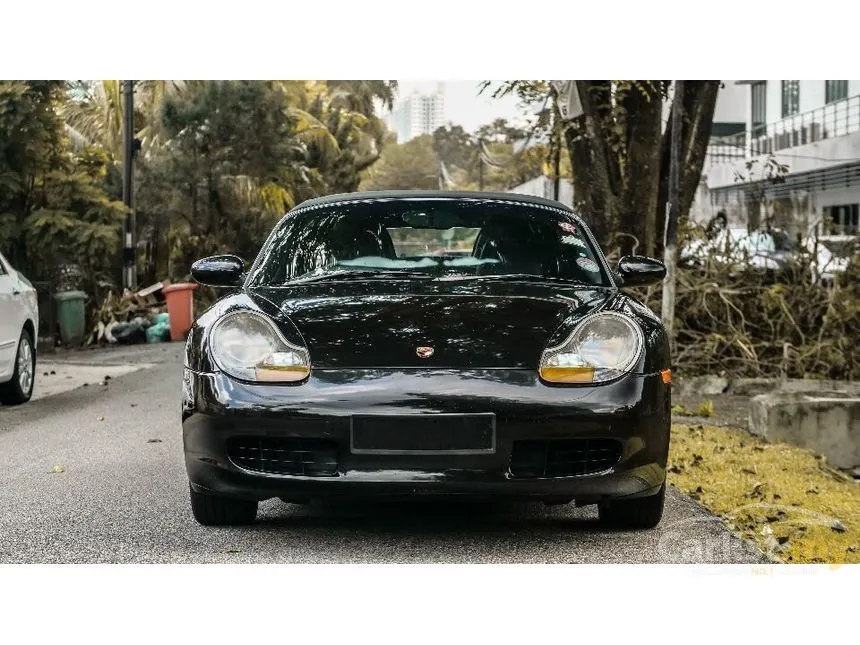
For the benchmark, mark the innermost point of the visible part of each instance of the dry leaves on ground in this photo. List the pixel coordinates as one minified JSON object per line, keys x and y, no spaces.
{"x":784,"y":498}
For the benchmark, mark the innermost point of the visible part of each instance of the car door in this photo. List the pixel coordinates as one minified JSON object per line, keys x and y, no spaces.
{"x":12,"y":314}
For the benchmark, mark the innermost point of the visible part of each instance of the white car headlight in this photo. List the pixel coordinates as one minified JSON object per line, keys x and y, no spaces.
{"x":248,"y":346}
{"x":601,"y":348}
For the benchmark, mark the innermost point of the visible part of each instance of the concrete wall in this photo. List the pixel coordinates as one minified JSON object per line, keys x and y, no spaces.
{"x":827,"y":425}
{"x":733,"y":103}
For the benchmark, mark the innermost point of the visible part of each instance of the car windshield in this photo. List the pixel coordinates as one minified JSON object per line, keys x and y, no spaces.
{"x":428,"y":239}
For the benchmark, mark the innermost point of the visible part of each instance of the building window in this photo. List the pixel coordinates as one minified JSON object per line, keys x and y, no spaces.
{"x":835,"y":91}
{"x":790,"y":98}
{"x":759,"y":106}
{"x":842,"y":220}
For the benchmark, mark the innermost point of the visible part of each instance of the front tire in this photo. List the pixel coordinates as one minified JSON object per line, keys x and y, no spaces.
{"x":639,"y":513}
{"x":20,"y":388}
{"x":217,"y":510}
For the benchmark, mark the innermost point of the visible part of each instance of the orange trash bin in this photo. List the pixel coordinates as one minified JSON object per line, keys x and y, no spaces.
{"x":180,"y":308}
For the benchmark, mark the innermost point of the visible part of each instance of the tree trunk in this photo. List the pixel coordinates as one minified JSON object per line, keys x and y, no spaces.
{"x":642,"y":167}
{"x":595,"y":169}
{"x":620,"y":162}
{"x":697,"y":135}
{"x":700,"y":98}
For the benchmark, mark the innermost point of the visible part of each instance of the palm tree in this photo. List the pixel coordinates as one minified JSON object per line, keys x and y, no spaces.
{"x":362,"y":96}
{"x":93,"y":113}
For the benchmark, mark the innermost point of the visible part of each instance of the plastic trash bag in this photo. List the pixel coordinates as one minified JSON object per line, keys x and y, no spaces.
{"x":159,"y":331}
{"x":130,"y":332}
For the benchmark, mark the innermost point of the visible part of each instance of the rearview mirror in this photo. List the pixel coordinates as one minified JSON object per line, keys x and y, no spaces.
{"x":219,"y":271}
{"x":637,"y":270}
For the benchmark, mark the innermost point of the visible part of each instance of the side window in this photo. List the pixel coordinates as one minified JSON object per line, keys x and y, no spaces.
{"x":790,"y":98}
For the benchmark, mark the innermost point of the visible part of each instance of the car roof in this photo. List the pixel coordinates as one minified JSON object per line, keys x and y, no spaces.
{"x":432,"y":194}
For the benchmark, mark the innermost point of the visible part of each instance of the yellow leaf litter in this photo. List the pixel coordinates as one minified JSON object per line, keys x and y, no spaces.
{"x":787,"y":500}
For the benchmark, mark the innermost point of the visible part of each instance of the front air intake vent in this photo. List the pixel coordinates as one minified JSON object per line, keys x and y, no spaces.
{"x":563,"y":457}
{"x":284,"y":456}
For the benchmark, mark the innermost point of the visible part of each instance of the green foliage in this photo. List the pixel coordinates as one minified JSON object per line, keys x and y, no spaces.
{"x":519,"y":155}
{"x":239,"y":154}
{"x":455,"y":147}
{"x":30,"y":146}
{"x":219,"y":163}
{"x":499,"y":131}
{"x":410,"y":165}
{"x":75,"y":222}
{"x":55,"y":211}
{"x":619,"y":153}
{"x":232,"y":167}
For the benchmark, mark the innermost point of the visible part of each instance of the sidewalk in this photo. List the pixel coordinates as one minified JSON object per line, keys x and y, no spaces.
{"x":65,"y":370}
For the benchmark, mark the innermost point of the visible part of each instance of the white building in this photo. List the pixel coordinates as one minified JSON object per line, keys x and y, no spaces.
{"x":727,"y":144}
{"x":543,"y":186}
{"x":418,"y":114}
{"x":813,"y":128}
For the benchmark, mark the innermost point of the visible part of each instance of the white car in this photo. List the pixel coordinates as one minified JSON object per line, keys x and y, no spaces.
{"x":19,"y":320}
{"x":763,"y":250}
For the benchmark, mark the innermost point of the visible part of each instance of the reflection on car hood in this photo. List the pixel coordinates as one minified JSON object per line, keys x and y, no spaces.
{"x":380,"y":323}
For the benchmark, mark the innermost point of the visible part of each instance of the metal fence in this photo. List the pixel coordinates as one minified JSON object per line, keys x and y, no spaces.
{"x":827,"y":122}
{"x":726,"y":149}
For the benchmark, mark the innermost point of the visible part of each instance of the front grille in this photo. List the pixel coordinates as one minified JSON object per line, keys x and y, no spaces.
{"x":284,"y":456}
{"x":563,"y":457}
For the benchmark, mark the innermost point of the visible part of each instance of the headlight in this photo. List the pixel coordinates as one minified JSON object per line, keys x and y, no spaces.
{"x":248,"y":346}
{"x":601,"y":348}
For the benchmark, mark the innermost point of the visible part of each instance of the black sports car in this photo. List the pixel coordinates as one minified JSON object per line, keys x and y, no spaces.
{"x":427,"y":343}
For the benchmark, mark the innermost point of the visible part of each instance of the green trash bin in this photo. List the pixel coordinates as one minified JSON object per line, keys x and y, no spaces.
{"x":71,"y":316}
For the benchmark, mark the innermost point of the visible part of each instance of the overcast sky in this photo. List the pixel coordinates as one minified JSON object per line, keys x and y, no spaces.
{"x":463,"y":106}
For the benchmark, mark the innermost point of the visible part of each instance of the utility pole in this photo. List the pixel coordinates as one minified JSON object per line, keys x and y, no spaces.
{"x":129,"y":257}
{"x":670,"y":236}
{"x":480,"y":164}
{"x":557,"y":159}
{"x":560,"y":95}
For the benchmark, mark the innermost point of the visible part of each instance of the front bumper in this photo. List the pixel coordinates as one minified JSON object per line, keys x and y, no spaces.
{"x":635,"y":411}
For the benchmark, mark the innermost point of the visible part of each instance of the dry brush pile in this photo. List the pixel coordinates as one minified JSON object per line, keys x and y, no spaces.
{"x":747,"y":323}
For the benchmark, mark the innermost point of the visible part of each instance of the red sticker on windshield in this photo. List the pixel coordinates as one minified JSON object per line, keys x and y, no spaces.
{"x":568,"y":227}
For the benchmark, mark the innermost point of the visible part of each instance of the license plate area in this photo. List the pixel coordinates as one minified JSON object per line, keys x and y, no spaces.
{"x":424,"y":434}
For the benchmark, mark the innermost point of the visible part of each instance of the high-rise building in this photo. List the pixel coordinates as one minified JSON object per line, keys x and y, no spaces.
{"x":418,"y":114}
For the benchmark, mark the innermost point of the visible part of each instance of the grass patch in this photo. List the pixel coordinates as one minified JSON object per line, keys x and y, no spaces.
{"x":786,"y":499}
{"x":705,"y":410}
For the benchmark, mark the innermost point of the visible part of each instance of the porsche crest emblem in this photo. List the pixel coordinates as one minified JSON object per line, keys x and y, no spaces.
{"x":424,"y":352}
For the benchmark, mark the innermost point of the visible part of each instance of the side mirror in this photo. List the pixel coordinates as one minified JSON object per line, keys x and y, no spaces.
{"x":219,"y":271}
{"x":637,"y":270}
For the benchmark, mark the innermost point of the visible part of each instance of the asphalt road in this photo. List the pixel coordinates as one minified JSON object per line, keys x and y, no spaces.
{"x":121,"y":495}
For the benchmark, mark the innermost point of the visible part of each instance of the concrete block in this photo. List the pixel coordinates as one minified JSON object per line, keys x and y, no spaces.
{"x":827,"y":423}
{"x":707,"y":385}
{"x":754,"y":386}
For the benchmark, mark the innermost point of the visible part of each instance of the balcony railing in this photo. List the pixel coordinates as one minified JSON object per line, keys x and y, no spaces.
{"x":726,"y":149}
{"x":827,"y":122}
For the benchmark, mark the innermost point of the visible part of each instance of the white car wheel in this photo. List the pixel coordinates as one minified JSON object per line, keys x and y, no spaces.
{"x":20,"y":388}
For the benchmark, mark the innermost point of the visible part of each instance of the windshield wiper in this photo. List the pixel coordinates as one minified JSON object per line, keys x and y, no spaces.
{"x":519,"y":276}
{"x":362,"y":273}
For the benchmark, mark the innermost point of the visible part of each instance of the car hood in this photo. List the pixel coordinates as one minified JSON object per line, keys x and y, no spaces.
{"x":476,"y":324}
